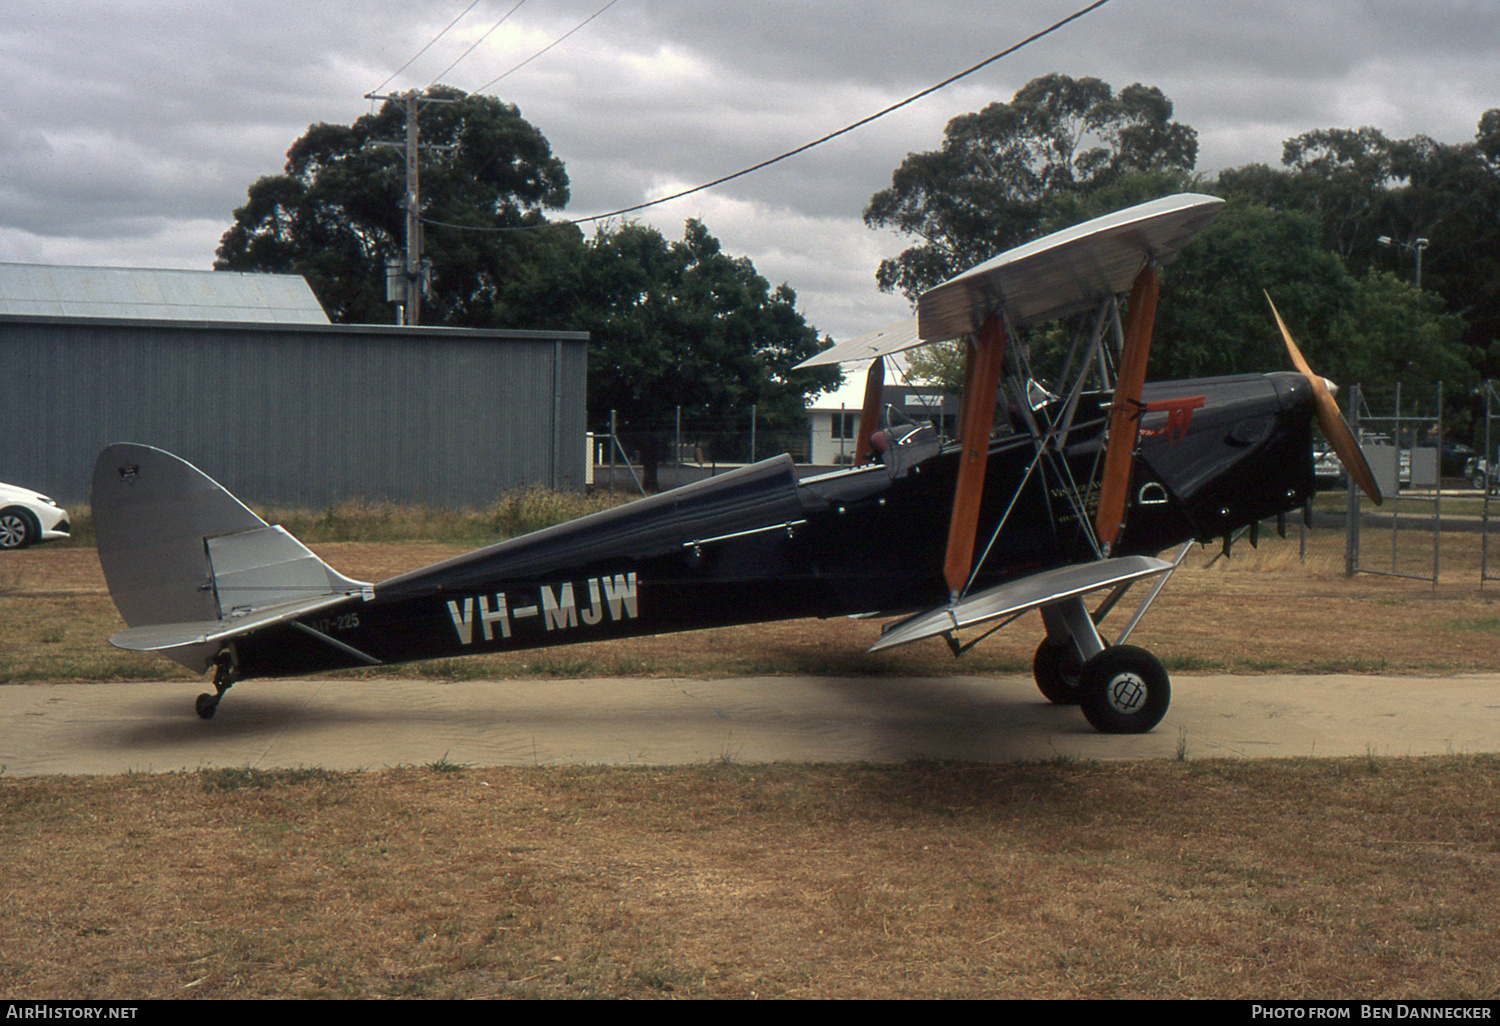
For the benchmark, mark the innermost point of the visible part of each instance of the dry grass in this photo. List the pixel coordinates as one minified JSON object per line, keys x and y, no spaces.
{"x":357,"y":519}
{"x":1354,"y":878}
{"x":1358,"y":878}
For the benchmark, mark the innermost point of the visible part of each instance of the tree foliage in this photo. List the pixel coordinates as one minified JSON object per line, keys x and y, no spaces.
{"x":685,"y":325}
{"x":1359,"y":186}
{"x":1213,"y":317}
{"x":336,"y":214}
{"x":672,"y":324}
{"x":1308,"y":232}
{"x":1368,"y":328}
{"x":1003,"y":170}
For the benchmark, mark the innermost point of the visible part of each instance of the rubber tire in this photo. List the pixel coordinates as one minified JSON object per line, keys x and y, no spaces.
{"x":205,"y":706}
{"x":1124,"y":690}
{"x":1055,"y":668}
{"x":18,"y":528}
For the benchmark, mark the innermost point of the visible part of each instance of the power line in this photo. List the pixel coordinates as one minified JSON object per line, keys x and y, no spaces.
{"x":424,"y":49}
{"x":476,"y":42}
{"x":1081,"y":12}
{"x":858,"y":124}
{"x":549,"y":46}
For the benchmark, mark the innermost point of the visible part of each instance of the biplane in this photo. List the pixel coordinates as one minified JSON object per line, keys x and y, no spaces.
{"x":1054,"y":492}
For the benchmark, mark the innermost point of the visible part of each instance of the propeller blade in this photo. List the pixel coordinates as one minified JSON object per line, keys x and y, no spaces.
{"x":1329,"y":418}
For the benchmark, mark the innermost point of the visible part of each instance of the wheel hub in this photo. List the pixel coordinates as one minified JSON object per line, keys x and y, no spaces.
{"x":1126,"y":692}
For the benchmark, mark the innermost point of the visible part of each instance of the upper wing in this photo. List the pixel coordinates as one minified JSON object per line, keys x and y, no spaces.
{"x":1068,"y":271}
{"x":1057,"y":275}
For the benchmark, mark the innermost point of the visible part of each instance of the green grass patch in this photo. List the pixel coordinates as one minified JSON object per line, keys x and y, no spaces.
{"x":1483,"y":625}
{"x":513,"y":514}
{"x":249,"y":779}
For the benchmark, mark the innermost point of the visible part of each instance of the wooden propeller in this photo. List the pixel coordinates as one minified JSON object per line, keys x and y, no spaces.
{"x":1329,"y":418}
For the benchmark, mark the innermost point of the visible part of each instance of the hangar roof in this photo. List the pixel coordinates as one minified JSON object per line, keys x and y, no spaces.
{"x":134,"y":293}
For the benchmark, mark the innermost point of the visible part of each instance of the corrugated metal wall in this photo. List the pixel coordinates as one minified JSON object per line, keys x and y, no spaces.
{"x":297,"y":415}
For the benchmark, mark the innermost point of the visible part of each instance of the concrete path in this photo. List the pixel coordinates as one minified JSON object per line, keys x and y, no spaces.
{"x":341,"y":724}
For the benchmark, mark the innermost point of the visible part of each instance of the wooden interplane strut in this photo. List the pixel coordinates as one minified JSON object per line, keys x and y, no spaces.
{"x":1124,"y":412}
{"x":869,"y":415}
{"x":982,"y":380}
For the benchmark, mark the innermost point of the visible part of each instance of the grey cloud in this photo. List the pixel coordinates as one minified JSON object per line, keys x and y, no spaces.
{"x":144,"y":123}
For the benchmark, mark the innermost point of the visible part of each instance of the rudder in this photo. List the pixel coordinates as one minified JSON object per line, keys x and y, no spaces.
{"x":177,"y":548}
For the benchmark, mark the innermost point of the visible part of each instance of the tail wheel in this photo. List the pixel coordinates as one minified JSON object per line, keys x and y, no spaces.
{"x":18,"y":529}
{"x":1055,"y":668}
{"x":1124,"y":690}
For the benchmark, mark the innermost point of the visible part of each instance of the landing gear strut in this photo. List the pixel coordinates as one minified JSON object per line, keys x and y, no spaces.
{"x":224,"y":678}
{"x":1121,"y":689}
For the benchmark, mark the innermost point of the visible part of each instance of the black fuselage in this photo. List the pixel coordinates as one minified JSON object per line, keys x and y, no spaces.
{"x":755,"y":544}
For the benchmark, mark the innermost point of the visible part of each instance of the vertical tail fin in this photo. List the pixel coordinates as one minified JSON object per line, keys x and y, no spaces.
{"x":177,"y":548}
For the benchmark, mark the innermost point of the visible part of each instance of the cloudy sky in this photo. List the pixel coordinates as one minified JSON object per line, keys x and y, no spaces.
{"x":130,"y":129}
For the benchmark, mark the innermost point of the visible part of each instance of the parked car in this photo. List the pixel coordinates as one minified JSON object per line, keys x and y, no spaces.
{"x":1455,"y":459}
{"x":27,"y":517}
{"x":1327,"y":470}
{"x":1482,"y":474}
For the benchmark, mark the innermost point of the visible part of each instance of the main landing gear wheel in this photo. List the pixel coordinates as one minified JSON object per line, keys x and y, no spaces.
{"x":1124,"y":690}
{"x":1055,"y":668}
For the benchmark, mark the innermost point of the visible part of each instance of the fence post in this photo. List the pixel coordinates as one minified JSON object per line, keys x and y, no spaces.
{"x":1437,"y":498}
{"x":1351,"y":505}
{"x":1396,"y":499}
{"x":1488,"y":463}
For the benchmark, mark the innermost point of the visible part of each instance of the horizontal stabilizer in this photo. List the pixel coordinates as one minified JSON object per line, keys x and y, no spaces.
{"x":1018,"y":596}
{"x":266,"y":566}
{"x":162,"y":636}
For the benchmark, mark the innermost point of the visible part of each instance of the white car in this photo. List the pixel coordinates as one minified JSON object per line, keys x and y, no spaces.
{"x":27,"y":517}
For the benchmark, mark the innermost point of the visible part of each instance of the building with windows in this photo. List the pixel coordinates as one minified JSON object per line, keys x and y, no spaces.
{"x":833,"y":417}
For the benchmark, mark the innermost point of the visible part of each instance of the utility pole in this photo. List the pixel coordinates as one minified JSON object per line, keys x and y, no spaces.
{"x":406,"y":283}
{"x":413,"y":216}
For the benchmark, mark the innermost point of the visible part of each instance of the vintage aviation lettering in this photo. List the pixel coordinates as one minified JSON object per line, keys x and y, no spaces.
{"x":558,"y":608}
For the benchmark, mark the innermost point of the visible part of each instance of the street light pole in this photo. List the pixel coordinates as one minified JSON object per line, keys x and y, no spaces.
{"x":1416,"y":246}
